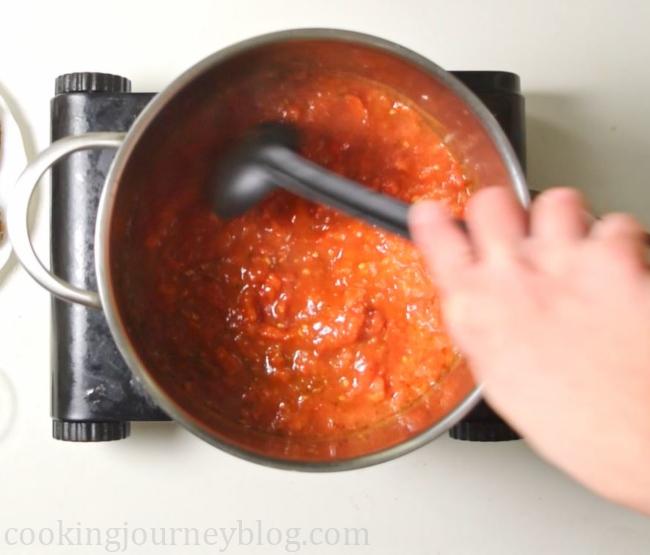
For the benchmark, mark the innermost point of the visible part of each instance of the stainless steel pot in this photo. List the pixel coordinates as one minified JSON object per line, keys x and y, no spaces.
{"x":148,"y":157}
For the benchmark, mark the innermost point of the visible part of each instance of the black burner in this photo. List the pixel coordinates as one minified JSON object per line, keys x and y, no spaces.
{"x":94,"y":394}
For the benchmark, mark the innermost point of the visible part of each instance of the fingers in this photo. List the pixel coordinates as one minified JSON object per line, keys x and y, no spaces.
{"x":496,"y":220}
{"x":618,"y":227}
{"x":498,"y":225}
{"x":446,"y":248}
{"x":623,"y":232}
{"x":559,"y":215}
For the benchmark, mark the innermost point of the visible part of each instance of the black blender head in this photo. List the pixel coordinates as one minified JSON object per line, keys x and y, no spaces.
{"x":243,"y":177}
{"x":266,"y":159}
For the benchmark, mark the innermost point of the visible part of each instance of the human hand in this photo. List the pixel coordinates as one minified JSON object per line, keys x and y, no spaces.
{"x":553,"y":315}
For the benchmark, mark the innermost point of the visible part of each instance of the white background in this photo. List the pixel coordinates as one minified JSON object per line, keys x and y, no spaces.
{"x":584,"y":68}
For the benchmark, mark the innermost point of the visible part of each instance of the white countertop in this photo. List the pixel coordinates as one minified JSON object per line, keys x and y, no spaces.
{"x":584,"y":69}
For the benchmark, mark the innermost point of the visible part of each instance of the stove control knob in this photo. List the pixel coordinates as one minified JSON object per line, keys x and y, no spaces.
{"x":89,"y":432}
{"x":86,"y":82}
{"x":482,"y":424}
{"x":482,"y":431}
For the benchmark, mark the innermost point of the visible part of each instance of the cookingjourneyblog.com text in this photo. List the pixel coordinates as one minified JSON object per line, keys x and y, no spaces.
{"x":119,"y":539}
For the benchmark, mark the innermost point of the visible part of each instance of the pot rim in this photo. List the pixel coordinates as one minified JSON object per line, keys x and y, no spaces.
{"x":107,"y":203}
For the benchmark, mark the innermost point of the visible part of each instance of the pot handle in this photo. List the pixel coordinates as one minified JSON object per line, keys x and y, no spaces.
{"x":18,"y":207}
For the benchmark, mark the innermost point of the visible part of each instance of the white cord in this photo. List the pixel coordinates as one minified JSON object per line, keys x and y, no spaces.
{"x":7,"y":404}
{"x":15,"y":152}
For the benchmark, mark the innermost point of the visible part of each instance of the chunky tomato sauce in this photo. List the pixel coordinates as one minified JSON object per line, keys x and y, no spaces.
{"x":300,"y":320}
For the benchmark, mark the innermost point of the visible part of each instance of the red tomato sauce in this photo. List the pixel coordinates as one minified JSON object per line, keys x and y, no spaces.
{"x":301,"y":320}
